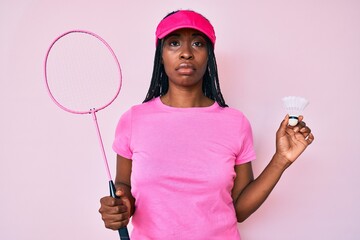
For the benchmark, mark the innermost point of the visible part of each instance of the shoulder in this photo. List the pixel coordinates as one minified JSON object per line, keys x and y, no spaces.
{"x":140,"y":108}
{"x":234,"y":118}
{"x":144,"y":107}
{"x":232,"y":112}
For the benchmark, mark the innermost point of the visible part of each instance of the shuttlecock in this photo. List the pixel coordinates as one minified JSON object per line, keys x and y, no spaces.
{"x":294,"y":107}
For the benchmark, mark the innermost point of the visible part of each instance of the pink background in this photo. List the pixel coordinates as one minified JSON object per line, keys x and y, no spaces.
{"x":51,"y":171}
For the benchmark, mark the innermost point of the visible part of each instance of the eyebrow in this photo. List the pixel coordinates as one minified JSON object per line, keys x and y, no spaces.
{"x":178,"y":35}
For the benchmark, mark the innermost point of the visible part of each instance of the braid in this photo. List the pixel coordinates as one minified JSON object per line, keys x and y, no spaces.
{"x":211,"y":85}
{"x":159,"y":81}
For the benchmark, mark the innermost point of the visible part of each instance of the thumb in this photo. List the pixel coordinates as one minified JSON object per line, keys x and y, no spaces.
{"x":283,"y":125}
{"x":120,"y":193}
{"x":127,"y":203}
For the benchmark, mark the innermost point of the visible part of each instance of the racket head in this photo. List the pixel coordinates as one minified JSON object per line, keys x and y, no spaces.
{"x":82,"y":72}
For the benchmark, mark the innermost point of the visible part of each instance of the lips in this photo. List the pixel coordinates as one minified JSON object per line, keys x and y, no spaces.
{"x":185,"y":68}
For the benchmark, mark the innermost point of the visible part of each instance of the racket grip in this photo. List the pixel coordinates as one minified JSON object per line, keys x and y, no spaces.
{"x":123,"y":232}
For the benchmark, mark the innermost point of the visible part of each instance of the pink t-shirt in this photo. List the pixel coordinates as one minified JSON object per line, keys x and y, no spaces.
{"x":183,"y":169}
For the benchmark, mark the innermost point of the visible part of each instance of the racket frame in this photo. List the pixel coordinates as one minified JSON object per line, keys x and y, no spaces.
{"x":96,"y":108}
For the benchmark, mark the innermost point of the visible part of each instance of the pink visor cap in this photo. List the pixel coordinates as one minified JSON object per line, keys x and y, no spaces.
{"x":185,"y":19}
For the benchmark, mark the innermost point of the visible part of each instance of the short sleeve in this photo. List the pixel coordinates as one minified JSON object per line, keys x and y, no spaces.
{"x":121,"y":144}
{"x":247,"y":151}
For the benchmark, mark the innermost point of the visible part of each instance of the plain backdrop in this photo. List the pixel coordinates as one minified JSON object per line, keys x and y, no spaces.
{"x":51,"y":170}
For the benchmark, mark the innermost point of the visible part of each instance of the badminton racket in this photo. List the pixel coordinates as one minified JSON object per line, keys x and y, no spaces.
{"x":83,"y":76}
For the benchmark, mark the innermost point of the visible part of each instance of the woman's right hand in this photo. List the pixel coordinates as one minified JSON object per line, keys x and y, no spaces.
{"x":115,"y":212}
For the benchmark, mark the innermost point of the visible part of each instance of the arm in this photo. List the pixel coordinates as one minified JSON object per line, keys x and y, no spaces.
{"x":116,"y":212}
{"x":122,"y":181}
{"x":248,"y":194}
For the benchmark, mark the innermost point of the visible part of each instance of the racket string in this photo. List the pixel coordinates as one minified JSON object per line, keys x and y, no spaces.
{"x":82,"y":73}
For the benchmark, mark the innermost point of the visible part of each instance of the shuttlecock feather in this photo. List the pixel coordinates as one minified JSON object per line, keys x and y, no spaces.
{"x":294,"y":106}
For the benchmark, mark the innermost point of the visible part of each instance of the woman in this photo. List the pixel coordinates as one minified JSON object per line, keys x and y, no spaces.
{"x":184,"y":157}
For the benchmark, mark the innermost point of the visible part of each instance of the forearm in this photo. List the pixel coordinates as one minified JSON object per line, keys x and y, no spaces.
{"x":256,"y":192}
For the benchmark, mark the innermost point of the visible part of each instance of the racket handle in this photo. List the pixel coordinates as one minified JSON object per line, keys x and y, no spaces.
{"x":123,"y":232}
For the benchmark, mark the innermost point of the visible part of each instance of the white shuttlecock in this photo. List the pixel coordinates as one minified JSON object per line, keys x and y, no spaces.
{"x":294,"y":106}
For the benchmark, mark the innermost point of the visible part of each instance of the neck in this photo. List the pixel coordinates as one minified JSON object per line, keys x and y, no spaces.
{"x":186,"y":99}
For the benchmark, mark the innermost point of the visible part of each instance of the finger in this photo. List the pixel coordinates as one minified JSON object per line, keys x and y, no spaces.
{"x":107,"y":201}
{"x":116,"y":225}
{"x":127,"y":203}
{"x":302,"y":128}
{"x":300,"y":118}
{"x":114,"y":210}
{"x":283,"y":125}
{"x":110,"y":201}
{"x":301,"y":124}
{"x":305,"y":131}
{"x":309,"y":139}
{"x":116,"y":221}
{"x":120,"y":192}
{"x":113,"y":217}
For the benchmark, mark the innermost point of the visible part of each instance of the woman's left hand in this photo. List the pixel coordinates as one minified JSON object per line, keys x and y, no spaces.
{"x":292,"y":141}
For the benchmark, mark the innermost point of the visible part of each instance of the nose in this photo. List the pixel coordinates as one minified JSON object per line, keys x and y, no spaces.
{"x":186,"y":52}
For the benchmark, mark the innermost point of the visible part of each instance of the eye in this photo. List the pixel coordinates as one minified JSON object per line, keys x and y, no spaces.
{"x":199,"y":41}
{"x":173,"y":43}
{"x":198,"y":44}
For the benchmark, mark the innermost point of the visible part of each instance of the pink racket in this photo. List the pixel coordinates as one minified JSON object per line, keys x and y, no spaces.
{"x":83,"y":76}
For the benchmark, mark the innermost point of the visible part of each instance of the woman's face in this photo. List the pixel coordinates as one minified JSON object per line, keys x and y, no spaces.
{"x":185,"y":58}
